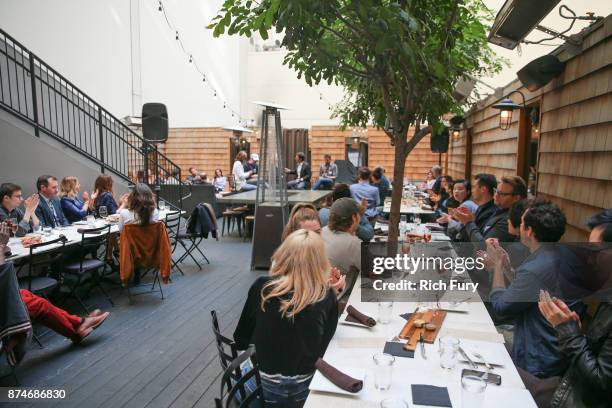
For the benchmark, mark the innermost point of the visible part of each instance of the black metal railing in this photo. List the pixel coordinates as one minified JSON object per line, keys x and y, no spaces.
{"x":36,"y":93}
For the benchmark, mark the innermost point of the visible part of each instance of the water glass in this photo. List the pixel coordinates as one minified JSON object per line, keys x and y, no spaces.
{"x":449,"y":346}
{"x":47,"y":231}
{"x":91,"y":220}
{"x":385,"y":310}
{"x":417,"y":219}
{"x":383,"y":369}
{"x":393,"y":403}
{"x":161,"y":205}
{"x":472,"y":391}
{"x":102,"y":211}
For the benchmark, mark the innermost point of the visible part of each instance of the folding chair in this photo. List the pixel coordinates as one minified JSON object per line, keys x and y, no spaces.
{"x":193,"y":242}
{"x":94,"y":241}
{"x":229,"y":393}
{"x":41,"y":261}
{"x":173,"y":225}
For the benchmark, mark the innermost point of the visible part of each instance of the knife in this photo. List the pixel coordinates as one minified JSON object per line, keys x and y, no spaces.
{"x":422,"y":341}
{"x":465,"y":355}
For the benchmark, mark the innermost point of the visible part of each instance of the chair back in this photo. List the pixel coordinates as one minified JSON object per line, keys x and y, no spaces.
{"x":41,"y":260}
{"x":94,"y":241}
{"x":173,"y":226}
{"x":228,"y":395}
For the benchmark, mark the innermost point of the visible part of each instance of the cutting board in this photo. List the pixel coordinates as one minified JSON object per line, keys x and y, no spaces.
{"x":412,"y":333}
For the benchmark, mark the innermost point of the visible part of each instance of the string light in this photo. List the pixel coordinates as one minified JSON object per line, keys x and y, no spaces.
{"x":161,"y":8}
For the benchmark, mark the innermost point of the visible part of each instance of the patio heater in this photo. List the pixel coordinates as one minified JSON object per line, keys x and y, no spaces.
{"x":271,"y":206}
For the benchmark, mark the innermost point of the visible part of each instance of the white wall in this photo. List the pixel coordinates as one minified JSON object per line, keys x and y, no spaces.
{"x":88,"y":42}
{"x":267,"y":79}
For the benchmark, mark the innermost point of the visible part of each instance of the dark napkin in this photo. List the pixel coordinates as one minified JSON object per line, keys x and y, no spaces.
{"x":430,"y":395}
{"x":337,"y":377}
{"x":406,"y":316}
{"x":356,"y":316}
{"x":397,"y":349}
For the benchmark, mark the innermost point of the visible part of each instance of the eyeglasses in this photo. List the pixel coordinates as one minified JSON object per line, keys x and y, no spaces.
{"x":503,"y":194}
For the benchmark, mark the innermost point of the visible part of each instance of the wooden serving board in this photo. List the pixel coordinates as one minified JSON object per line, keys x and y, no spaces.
{"x":412,"y":333}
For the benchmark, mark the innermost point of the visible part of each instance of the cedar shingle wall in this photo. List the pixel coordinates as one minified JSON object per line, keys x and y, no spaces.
{"x":575,"y":149}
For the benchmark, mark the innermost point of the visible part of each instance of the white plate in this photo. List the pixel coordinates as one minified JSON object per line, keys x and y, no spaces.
{"x":80,"y":223}
{"x":322,"y":384}
{"x":492,"y":352}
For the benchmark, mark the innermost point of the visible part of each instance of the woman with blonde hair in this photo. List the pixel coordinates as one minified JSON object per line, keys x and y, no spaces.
{"x":290,"y":316}
{"x":73,"y":207}
{"x":241,"y":176}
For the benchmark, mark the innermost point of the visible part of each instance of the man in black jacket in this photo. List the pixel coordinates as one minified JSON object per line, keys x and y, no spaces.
{"x":482,"y":194}
{"x":510,"y":190}
{"x":49,"y":210}
{"x":303,"y":173}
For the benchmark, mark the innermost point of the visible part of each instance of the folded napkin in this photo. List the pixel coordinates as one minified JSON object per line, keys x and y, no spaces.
{"x":356,"y":316}
{"x":337,"y":377}
{"x":430,"y":395}
{"x":397,"y":349}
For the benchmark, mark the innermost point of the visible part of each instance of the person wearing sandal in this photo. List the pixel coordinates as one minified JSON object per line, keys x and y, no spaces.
{"x":290,"y":329}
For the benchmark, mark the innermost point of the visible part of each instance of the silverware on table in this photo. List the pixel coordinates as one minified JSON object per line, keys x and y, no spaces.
{"x":465,"y":355}
{"x":422,"y":341}
{"x":481,"y":358}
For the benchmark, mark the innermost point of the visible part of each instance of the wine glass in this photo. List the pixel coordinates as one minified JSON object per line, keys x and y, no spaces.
{"x":102,"y":211}
{"x":14,"y":225}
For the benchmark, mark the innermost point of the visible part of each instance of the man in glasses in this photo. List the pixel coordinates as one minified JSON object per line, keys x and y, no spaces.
{"x":510,"y":190}
{"x":10,"y":208}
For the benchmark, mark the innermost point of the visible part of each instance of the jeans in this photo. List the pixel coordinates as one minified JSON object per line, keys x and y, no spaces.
{"x":285,"y":392}
{"x":323,"y":182}
{"x":296,"y":185}
{"x":248,"y":187}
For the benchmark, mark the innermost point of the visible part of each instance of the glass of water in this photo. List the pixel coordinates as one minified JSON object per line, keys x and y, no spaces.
{"x":472,"y":391}
{"x":385,"y":310}
{"x":383,"y":369}
{"x":162,"y":205}
{"x":449,"y":346}
{"x":102,"y":211}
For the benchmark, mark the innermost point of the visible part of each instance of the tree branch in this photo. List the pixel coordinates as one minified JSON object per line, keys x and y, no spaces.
{"x":416,"y":138}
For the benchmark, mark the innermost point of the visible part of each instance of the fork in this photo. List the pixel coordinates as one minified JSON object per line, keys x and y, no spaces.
{"x":481,"y":358}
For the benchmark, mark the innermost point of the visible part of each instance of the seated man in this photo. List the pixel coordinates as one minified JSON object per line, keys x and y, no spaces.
{"x":252,"y":166}
{"x":11,"y":200}
{"x":41,"y":310}
{"x":49,"y":210}
{"x":365,"y":231}
{"x":364,"y":190}
{"x":482,"y":195}
{"x":302,"y":171}
{"x":327,"y":174}
{"x":193,"y":172}
{"x":381,"y":183}
{"x":342,"y":246}
{"x":536,"y":347}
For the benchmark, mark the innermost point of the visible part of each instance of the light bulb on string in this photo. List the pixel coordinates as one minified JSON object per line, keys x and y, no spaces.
{"x":176,"y":37}
{"x":204,"y":78}
{"x":215,"y":95}
{"x":160,"y":8}
{"x":190,"y":59}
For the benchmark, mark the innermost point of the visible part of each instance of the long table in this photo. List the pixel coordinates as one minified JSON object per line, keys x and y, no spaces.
{"x":352,"y":348}
{"x":293,"y":197}
{"x":70,"y":232}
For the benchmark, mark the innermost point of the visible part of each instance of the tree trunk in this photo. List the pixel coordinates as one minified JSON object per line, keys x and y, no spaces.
{"x":396,"y":196}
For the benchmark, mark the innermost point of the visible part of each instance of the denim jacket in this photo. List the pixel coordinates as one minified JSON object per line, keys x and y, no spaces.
{"x":536,"y":346}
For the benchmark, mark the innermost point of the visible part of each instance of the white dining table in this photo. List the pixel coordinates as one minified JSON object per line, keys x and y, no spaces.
{"x":70,"y":232}
{"x":352,"y":348}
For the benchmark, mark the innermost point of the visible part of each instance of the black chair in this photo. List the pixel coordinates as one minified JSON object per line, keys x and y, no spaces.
{"x":173,"y":225}
{"x":94,"y":241}
{"x":228,"y":396}
{"x":40,"y":265}
{"x":191,"y":241}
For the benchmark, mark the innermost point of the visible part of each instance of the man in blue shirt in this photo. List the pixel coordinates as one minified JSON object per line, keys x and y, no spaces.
{"x":549,"y":267}
{"x":49,"y":210}
{"x":10,"y":202}
{"x":364,"y":190}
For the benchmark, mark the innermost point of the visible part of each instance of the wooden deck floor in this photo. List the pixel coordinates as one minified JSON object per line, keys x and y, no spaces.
{"x":152,"y":353}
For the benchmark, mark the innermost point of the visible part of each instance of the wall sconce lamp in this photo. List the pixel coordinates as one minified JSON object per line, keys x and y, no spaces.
{"x":506,"y":107}
{"x":456,"y":125}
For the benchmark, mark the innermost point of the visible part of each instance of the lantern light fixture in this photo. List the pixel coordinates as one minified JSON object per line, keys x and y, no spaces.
{"x":506,"y":107}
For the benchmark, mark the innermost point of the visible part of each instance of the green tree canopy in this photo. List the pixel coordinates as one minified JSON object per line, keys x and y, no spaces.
{"x":398,"y":60}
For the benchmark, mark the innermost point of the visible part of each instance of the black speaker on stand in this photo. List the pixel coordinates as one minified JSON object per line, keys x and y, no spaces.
{"x":154,"y":130}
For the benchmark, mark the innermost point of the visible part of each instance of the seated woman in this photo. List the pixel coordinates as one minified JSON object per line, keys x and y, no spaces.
{"x":291,"y":329}
{"x":73,"y":207}
{"x":140,"y":209}
{"x":461,"y":194}
{"x":219,"y":181}
{"x":103,"y":196}
{"x":241,"y":176}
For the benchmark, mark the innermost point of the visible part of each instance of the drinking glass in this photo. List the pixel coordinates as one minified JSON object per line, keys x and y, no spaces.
{"x":393,"y":403}
{"x":449,"y":346}
{"x":91,"y":220}
{"x":383,"y":369}
{"x":102,"y":211}
{"x":417,"y":219}
{"x":472,"y":391}
{"x":47,"y":231}
{"x":14,"y":225}
{"x":385,"y":310}
{"x":162,"y":205}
